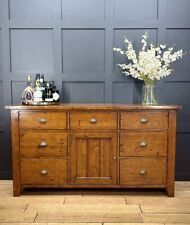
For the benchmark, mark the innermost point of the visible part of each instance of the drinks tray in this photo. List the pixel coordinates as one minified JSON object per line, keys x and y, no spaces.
{"x":40,"y":103}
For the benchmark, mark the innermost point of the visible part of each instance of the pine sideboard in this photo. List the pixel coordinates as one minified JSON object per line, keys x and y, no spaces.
{"x":93,"y":146}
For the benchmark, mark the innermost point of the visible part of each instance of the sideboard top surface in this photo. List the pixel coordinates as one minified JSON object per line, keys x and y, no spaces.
{"x":104,"y":106}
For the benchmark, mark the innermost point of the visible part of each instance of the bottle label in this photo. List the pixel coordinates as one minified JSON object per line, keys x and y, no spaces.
{"x":37,"y":96}
{"x":28,"y":96}
{"x":55,"y":96}
{"x":49,"y":100}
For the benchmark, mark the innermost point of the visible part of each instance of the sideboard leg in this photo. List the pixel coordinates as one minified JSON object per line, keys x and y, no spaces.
{"x":16,"y":191}
{"x":170,"y":191}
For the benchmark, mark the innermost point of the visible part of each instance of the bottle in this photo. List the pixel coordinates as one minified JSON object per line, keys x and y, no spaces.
{"x":38,"y":92}
{"x":42,"y":86}
{"x":28,"y":93}
{"x":49,"y":94}
{"x":55,"y":94}
{"x":37,"y":76}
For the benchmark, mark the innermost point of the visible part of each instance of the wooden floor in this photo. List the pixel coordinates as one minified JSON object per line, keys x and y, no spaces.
{"x":100,"y":207}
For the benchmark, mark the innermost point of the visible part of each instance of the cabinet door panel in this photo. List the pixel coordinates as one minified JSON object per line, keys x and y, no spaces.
{"x":105,"y":162}
{"x":81,"y":157}
{"x":94,"y":151}
{"x":93,"y":158}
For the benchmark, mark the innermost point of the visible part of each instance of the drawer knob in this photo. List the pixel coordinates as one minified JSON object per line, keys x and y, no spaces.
{"x":42,"y":120}
{"x":143,"y":120}
{"x":142,"y":172}
{"x":114,"y":158}
{"x":93,"y":120}
{"x":44,"y":172}
{"x":43,"y":144}
{"x":143,"y":144}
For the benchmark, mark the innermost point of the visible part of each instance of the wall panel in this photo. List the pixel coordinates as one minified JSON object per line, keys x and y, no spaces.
{"x":1,"y":62}
{"x":31,"y":9}
{"x":1,"y":131}
{"x":1,"y":85}
{"x":126,"y":92}
{"x":1,"y":106}
{"x":179,"y":39}
{"x":16,"y":91}
{"x":178,"y":10}
{"x":3,"y":10}
{"x":84,"y":92}
{"x":182,"y":161}
{"x":31,"y":50}
{"x":83,"y":50}
{"x":135,"y":10}
{"x":176,"y":93}
{"x":83,"y":10}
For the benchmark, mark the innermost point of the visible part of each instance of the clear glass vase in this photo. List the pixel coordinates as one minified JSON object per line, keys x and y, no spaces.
{"x":149,"y":94}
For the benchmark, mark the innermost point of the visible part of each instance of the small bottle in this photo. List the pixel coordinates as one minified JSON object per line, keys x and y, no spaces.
{"x":42,"y":86}
{"x":55,"y":94}
{"x":37,"y":76}
{"x":28,"y":93}
{"x":38,"y":92}
{"x":49,"y":96}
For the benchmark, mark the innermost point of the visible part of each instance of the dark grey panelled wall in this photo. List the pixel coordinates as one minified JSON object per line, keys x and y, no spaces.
{"x":71,"y":42}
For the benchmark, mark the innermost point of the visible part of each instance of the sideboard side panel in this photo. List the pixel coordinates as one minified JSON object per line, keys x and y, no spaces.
{"x":15,"y":152}
{"x":171,"y":153}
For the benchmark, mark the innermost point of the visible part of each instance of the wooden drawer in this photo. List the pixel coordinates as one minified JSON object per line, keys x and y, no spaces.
{"x":141,"y":143}
{"x":44,"y":171}
{"x":42,"y":120}
{"x":143,"y":171}
{"x":43,"y":143}
{"x":144,"y":120}
{"x":93,"y":120}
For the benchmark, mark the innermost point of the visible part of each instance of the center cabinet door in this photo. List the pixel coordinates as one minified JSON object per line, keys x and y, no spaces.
{"x":93,"y":158}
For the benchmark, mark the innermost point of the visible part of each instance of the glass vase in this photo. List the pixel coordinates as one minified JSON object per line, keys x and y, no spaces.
{"x":149,"y":94}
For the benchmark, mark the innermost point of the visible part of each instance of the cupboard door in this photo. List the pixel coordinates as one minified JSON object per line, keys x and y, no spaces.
{"x":93,"y":158}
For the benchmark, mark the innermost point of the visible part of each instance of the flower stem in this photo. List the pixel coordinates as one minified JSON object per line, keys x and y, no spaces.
{"x":149,"y":94}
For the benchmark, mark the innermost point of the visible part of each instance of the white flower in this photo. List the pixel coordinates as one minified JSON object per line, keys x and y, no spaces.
{"x":151,"y":63}
{"x":162,"y":46}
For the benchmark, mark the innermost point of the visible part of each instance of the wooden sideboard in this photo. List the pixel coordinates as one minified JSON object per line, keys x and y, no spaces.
{"x":93,"y":145}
